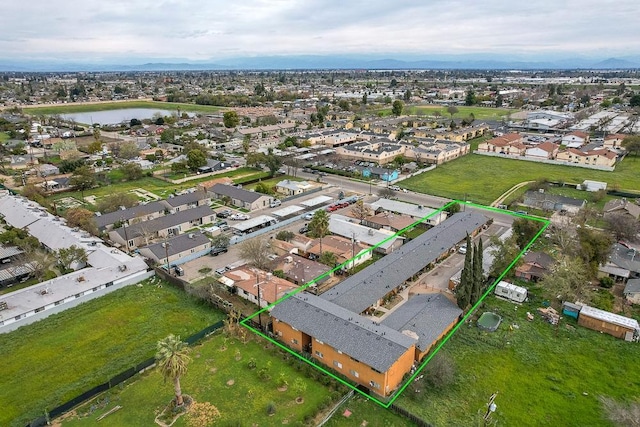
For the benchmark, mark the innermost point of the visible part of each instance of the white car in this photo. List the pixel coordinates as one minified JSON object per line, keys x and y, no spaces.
{"x":308,"y":216}
{"x":275,"y":203}
{"x":395,"y":188}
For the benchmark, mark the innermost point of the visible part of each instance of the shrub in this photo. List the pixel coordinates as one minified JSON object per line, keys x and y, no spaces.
{"x":271,"y":408}
{"x":606,"y":282}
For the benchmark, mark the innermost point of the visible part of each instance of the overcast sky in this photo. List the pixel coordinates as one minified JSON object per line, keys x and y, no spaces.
{"x":214,"y":29}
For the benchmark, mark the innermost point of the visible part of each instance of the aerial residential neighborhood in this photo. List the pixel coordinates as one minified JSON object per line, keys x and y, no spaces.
{"x":259,"y":218}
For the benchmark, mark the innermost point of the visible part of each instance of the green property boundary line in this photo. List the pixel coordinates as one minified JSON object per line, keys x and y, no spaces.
{"x":424,"y":363}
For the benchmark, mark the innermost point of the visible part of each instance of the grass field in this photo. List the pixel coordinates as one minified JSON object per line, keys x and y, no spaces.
{"x":49,"y":362}
{"x":483,"y":179}
{"x":243,"y":403}
{"x":103,"y":106}
{"x":480,"y":113}
{"x":4,"y":136}
{"x":365,"y":412}
{"x":543,"y":376}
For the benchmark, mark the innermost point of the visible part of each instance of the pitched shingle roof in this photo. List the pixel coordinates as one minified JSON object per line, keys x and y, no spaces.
{"x":364,"y":288}
{"x":164,"y":222}
{"x":426,"y":315}
{"x":178,"y":244}
{"x":126,"y":214}
{"x":236,"y":193}
{"x":375,"y":345}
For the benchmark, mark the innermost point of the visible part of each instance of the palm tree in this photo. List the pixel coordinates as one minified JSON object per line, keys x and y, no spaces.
{"x":319,"y":225}
{"x":172,"y":358}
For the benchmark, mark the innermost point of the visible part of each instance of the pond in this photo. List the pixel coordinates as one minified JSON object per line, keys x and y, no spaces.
{"x":109,"y":117}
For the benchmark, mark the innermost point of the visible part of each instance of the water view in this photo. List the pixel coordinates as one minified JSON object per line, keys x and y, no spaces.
{"x":109,"y":117}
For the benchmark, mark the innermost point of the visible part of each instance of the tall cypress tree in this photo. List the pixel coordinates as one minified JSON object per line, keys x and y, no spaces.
{"x":466,"y":278}
{"x":478,"y":275}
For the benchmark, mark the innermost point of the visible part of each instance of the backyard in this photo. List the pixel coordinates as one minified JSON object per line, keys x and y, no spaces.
{"x":483,"y":179}
{"x":543,"y":375}
{"x":360,"y":411}
{"x":242,"y":379}
{"x":54,"y":360}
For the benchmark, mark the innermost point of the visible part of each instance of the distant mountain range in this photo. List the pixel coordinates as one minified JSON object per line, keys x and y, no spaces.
{"x":317,"y":62}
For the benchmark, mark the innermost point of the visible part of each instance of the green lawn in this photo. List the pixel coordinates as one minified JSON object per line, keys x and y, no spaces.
{"x":483,"y":179}
{"x":4,"y":136}
{"x":543,"y":377}
{"x":49,"y":362}
{"x":364,"y":410}
{"x":82,"y":108}
{"x":214,"y":363}
{"x":271,"y":182}
{"x":480,"y":113}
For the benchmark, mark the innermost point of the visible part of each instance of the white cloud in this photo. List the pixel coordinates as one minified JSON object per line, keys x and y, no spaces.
{"x":193,"y":29}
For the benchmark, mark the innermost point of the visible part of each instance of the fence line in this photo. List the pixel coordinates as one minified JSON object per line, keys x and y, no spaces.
{"x":115,"y":380}
{"x":336,"y":407}
{"x":419,"y":421}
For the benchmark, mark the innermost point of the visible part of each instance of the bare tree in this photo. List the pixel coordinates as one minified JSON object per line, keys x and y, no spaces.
{"x":361,"y":211}
{"x":256,"y":251}
{"x":623,"y":226}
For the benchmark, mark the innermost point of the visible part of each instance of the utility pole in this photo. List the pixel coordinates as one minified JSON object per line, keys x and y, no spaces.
{"x":166,"y":252}
{"x":491,"y":408}
{"x":126,"y":237}
{"x":259,"y":300}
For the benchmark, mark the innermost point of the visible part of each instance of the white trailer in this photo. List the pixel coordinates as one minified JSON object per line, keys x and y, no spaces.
{"x":511,"y":292}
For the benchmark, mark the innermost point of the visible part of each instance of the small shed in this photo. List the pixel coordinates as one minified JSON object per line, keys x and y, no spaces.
{"x":609,"y":323}
{"x":511,"y":292}
{"x":571,"y":310}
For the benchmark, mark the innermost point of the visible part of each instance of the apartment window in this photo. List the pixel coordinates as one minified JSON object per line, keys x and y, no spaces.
{"x":354,"y":373}
{"x":337,"y":364}
{"x":131,"y":243}
{"x":320,"y":355}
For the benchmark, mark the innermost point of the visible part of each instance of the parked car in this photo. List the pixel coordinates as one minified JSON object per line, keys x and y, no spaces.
{"x":304,"y":229}
{"x":224,"y":214}
{"x":220,"y":223}
{"x":222,"y":270}
{"x":216,"y":251}
{"x":239,"y":217}
{"x":308,"y":216}
{"x":394,"y":188}
{"x":179,"y":271}
{"x":462,"y":249}
{"x":275,"y":203}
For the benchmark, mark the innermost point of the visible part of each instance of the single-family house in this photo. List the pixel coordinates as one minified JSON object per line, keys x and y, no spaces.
{"x":300,"y":270}
{"x":381,"y":173}
{"x":178,"y":250}
{"x":388,"y":221}
{"x":45,"y":169}
{"x":288,"y":187}
{"x":382,"y":240}
{"x":257,"y":286}
{"x":417,"y":212}
{"x":552,"y":202}
{"x":535,"y":265}
{"x":250,"y":200}
{"x":622,"y":206}
{"x":632,"y":291}
{"x":345,"y":249}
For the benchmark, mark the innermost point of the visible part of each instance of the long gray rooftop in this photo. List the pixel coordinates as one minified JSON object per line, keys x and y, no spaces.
{"x":426,"y":315}
{"x":126,"y":214}
{"x":364,"y":288}
{"x":375,"y":345}
{"x":164,"y":222}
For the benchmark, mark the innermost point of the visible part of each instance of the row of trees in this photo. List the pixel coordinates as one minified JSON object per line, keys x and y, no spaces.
{"x":471,"y":286}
